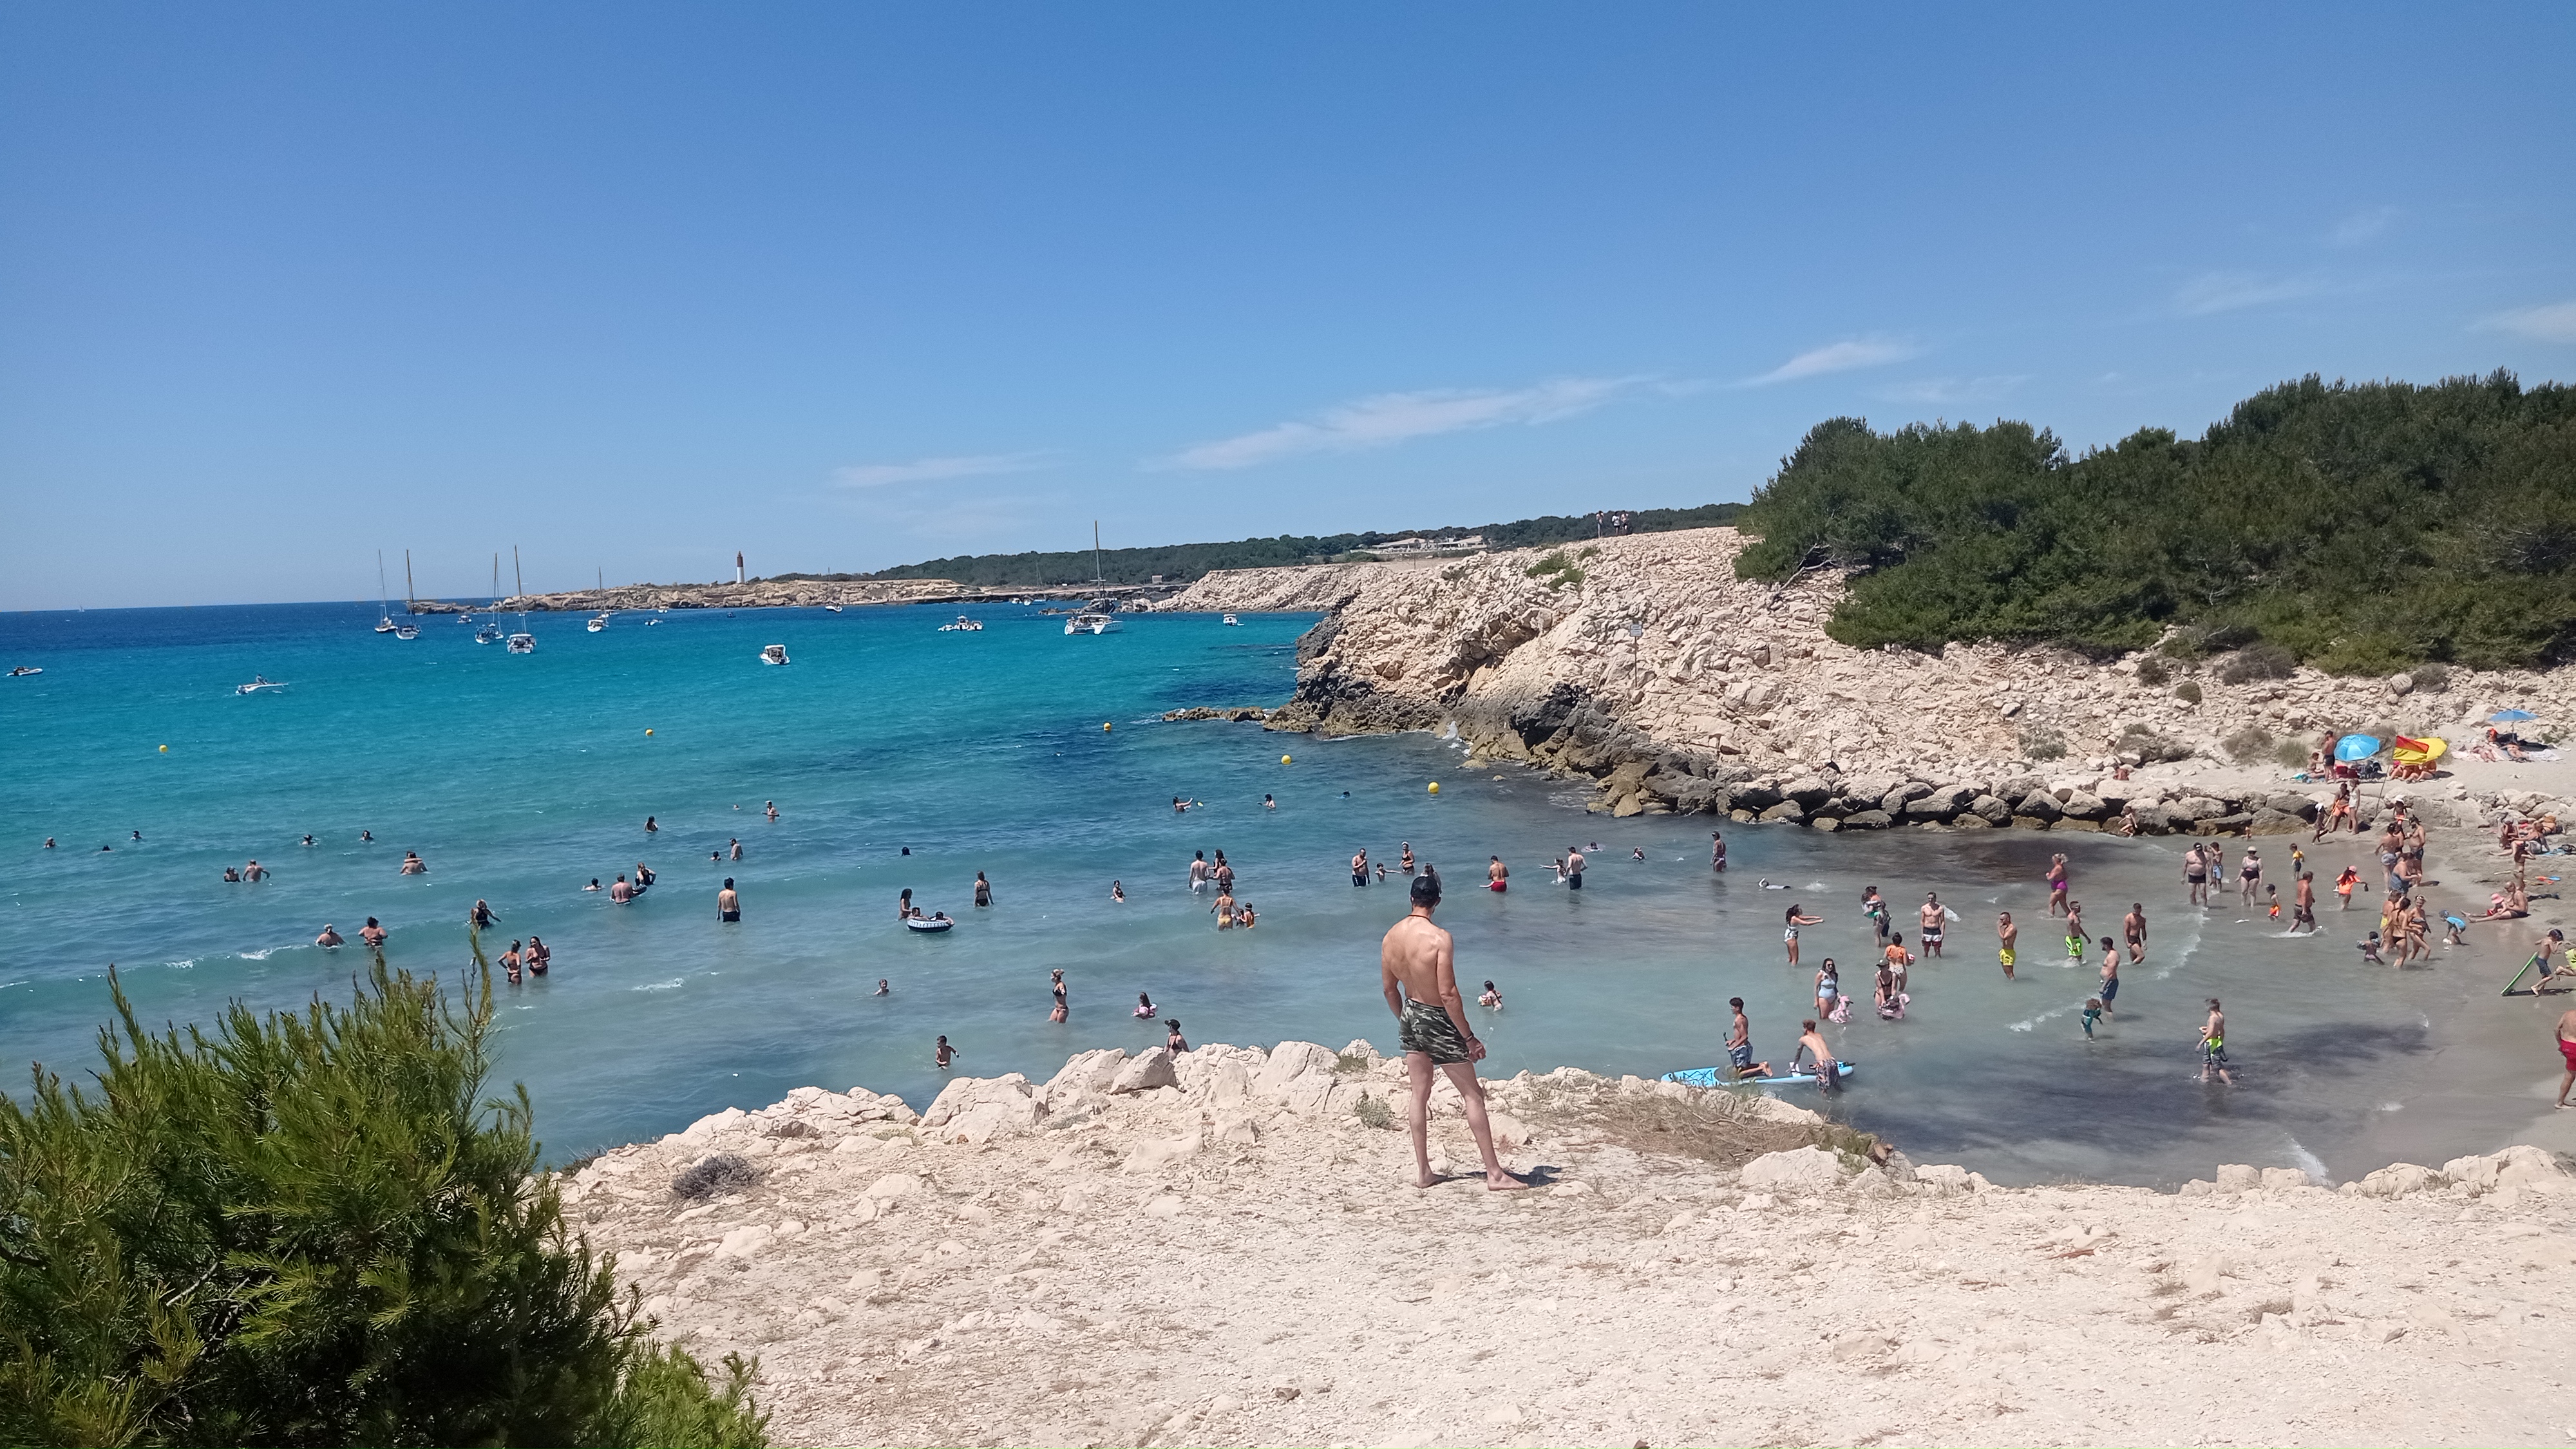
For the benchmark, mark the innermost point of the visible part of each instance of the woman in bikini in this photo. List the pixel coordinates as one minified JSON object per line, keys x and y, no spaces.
{"x":1145,"y":1007}
{"x":1059,"y":1013}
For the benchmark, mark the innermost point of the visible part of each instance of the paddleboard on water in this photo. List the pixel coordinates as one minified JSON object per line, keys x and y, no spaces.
{"x":1725,"y":1077}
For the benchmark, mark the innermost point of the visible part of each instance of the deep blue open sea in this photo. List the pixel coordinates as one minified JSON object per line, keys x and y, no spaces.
{"x":519,"y":779}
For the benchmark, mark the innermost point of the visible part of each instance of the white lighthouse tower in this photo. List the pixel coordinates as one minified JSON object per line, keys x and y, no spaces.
{"x":737,"y":566}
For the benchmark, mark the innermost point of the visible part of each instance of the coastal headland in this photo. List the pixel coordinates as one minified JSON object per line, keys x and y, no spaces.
{"x":1224,"y":1248}
{"x":1646,"y":664}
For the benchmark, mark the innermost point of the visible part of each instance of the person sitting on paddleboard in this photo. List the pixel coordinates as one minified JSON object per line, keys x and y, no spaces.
{"x":1827,"y":1075}
{"x":1739,"y":1044}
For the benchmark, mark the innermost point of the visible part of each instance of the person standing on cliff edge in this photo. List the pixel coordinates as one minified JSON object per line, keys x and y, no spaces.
{"x":1418,"y":973}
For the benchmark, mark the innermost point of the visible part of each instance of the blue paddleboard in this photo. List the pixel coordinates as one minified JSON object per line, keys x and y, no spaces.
{"x":1725,"y":1077}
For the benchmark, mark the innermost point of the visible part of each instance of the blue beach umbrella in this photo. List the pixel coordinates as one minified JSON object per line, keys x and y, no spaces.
{"x":2356,"y":747}
{"x":2508,"y":716}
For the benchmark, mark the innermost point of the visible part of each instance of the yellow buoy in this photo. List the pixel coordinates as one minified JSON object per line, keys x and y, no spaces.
{"x":1104,"y":727}
{"x":165,"y":749}
{"x":648,"y":732}
{"x":1283,"y":759}
{"x":1435,"y":787}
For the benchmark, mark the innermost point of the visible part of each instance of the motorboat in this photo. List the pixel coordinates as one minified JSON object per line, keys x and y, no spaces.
{"x":24,"y":670}
{"x":406,"y":631}
{"x":1091,"y":621}
{"x":652,"y":623}
{"x":1232,"y":622}
{"x":831,"y":608}
{"x":773,"y":654}
{"x":963,"y":625}
{"x":598,"y":622}
{"x":490,"y":633}
{"x":259,"y":684}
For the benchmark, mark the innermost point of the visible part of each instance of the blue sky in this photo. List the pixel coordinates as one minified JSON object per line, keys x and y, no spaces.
{"x":632,"y":286}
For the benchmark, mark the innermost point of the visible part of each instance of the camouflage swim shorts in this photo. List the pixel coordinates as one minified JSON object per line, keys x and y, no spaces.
{"x":1427,"y":1029}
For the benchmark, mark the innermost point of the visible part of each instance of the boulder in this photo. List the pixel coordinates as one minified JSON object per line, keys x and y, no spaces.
{"x":2268,"y":821}
{"x":1866,"y":820}
{"x":1289,"y":1061}
{"x":2278,"y":1178}
{"x":2192,"y":809}
{"x":2081,"y":806}
{"x":1785,"y":810}
{"x":2238,"y":1177}
{"x":1755,"y":795}
{"x":2224,"y":825}
{"x":1991,"y":809}
{"x":1803,"y":1169}
{"x":1145,"y":1073}
{"x":1090,"y":1071}
{"x":2039,"y":805}
{"x":1808,"y":791}
{"x":1011,"y":1092}
{"x":2398,"y":1179}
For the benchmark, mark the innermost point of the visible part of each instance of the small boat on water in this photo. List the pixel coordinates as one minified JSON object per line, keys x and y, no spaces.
{"x":490,"y":633}
{"x":1232,"y":622}
{"x":259,"y":684}
{"x":831,"y":608}
{"x":928,"y":925}
{"x":773,"y":654}
{"x":963,"y":625}
{"x":1092,"y":621}
{"x":406,"y":631}
{"x":598,"y":622}
{"x":522,"y":642}
{"x":25,"y":670}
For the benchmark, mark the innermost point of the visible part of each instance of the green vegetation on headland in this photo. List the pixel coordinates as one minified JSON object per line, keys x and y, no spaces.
{"x":2361,"y":529}
{"x":315,"y":1229}
{"x":1183,"y":562}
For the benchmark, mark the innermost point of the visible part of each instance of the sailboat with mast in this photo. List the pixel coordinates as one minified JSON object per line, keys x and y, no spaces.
{"x":407,"y":631}
{"x":522,"y":642}
{"x":384,"y":625}
{"x":490,"y":633}
{"x":1095,"y":617}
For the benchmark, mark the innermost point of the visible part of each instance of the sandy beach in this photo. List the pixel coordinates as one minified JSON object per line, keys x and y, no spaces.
{"x":1221,"y":1250}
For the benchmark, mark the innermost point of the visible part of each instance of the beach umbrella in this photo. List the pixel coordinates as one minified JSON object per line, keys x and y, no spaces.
{"x":2508,"y":716}
{"x":2356,"y":747}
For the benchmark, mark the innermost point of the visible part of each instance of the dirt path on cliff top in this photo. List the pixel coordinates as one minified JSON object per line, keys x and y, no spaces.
{"x":1159,"y":1269}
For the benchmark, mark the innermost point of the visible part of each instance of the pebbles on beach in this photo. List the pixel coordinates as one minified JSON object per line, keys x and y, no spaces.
{"x":1234,"y":1257}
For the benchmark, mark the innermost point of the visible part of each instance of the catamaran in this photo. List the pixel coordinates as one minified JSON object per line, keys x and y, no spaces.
{"x":1092,"y":621}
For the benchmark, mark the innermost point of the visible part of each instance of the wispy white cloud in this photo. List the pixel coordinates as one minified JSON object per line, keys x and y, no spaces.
{"x":2213,"y":292}
{"x":1946,"y":390}
{"x":922,"y":470}
{"x":1838,"y":357}
{"x":1389,"y":418}
{"x":2553,"y":323}
{"x":2361,"y":226}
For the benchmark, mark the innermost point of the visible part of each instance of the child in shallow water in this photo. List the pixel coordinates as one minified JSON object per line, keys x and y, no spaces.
{"x":2092,"y":1015}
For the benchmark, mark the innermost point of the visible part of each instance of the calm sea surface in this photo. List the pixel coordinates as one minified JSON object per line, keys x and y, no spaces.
{"x":518,"y":779}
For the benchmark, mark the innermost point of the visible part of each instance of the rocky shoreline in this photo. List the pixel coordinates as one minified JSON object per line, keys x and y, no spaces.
{"x":1225,"y":1247}
{"x":1645,"y":664}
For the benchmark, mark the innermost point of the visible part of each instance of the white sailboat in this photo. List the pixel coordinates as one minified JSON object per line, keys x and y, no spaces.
{"x":406,"y":631}
{"x":490,"y":633}
{"x":522,"y":642}
{"x":384,"y":625}
{"x":1092,"y":621}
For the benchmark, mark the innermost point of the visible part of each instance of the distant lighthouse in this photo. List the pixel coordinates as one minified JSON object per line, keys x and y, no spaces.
{"x":737,"y":566}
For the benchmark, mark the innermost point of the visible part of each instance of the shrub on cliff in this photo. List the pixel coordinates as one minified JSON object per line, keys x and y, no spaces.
{"x":2360,"y":528}
{"x":314,"y":1228}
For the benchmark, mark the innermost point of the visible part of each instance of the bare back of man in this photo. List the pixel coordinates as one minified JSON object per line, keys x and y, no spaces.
{"x":1418,"y":971}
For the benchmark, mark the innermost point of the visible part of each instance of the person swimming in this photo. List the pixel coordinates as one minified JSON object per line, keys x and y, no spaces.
{"x":329,"y":937}
{"x":882,"y":988}
{"x":1492,"y":1000}
{"x":1145,"y":1007}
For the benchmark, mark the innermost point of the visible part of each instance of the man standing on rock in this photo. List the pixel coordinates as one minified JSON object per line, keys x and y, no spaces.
{"x":1418,"y":971}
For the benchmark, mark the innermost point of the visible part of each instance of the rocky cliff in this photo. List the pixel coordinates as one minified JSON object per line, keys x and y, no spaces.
{"x":1647,"y":663}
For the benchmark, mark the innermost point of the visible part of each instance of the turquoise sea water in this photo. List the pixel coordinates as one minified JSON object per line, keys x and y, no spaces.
{"x":518,"y":779}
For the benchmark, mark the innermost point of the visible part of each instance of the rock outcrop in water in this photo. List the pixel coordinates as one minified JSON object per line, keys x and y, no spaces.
{"x":1224,"y":1248}
{"x":1645,"y":663}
